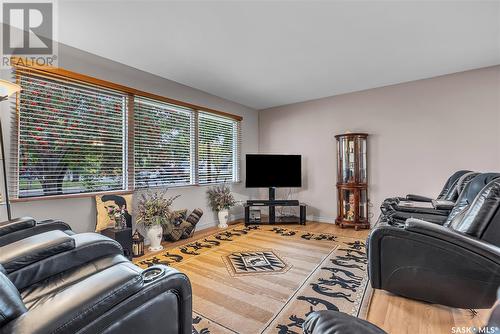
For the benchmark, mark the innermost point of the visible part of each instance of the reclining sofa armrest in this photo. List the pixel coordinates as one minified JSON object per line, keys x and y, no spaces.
{"x":122,"y":298}
{"x":71,"y":308}
{"x":166,"y":301}
{"x":421,"y":210}
{"x":461,"y":239}
{"x":421,"y":252}
{"x":442,"y":204}
{"x":11,"y":304}
{"x":418,"y":198}
{"x":402,"y":217}
{"x":16,"y":224}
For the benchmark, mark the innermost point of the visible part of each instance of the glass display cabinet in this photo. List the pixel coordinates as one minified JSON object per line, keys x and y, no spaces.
{"x":352,"y":181}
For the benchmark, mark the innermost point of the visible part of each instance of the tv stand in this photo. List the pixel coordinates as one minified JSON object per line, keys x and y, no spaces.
{"x":272,"y":203}
{"x":272,"y":208}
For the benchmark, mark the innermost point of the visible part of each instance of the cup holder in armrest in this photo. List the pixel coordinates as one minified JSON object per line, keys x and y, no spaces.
{"x":152,"y":273}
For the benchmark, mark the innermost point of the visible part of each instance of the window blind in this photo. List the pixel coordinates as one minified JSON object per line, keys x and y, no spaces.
{"x":71,"y":137}
{"x":218,"y":149}
{"x":164,"y":144}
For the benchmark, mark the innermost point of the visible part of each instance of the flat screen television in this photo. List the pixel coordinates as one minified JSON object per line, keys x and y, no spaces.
{"x":273,"y":171}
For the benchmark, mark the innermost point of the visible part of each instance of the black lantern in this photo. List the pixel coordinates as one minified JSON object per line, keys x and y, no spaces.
{"x":137,"y":244}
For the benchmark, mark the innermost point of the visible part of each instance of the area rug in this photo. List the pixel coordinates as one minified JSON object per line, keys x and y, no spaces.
{"x":265,"y":279}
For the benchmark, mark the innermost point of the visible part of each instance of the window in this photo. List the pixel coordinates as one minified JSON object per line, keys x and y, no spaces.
{"x":164,"y":144}
{"x":218,"y":149}
{"x":71,"y":138}
{"x":76,"y":134}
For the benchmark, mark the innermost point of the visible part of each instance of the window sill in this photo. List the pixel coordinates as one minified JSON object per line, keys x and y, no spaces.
{"x":185,"y":186}
{"x":67,"y":196}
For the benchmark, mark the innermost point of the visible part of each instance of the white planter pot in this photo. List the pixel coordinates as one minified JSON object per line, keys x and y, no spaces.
{"x":223,"y":218}
{"x":155,"y":234}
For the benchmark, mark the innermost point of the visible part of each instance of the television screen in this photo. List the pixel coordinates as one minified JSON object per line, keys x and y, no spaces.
{"x":270,"y":170}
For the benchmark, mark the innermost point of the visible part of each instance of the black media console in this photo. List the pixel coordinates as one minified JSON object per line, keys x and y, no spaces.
{"x":272,"y":203}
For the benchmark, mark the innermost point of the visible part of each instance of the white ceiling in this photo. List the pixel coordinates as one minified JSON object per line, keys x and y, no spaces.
{"x":264,"y":54}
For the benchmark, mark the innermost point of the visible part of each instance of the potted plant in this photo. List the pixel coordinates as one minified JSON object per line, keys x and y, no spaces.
{"x":221,"y":200}
{"x":154,"y":211}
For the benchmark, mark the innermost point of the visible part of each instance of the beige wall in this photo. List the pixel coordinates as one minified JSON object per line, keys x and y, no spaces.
{"x":80,"y":213}
{"x":420,"y":132}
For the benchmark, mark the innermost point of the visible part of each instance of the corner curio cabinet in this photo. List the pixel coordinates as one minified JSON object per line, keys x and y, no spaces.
{"x":352,"y":181}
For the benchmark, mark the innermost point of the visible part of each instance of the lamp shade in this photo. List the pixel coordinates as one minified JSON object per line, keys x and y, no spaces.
{"x":8,"y":88}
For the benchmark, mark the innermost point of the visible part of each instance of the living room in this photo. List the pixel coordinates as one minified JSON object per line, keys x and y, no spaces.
{"x":243,"y":167}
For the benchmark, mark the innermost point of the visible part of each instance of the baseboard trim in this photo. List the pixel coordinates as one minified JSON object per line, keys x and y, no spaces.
{"x":205,"y":225}
{"x":321,"y":219}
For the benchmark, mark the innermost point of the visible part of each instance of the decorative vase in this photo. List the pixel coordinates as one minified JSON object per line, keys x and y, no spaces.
{"x":155,"y":234}
{"x":223,"y":218}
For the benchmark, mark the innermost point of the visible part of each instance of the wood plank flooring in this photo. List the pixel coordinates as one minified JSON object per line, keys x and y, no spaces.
{"x":392,"y":313}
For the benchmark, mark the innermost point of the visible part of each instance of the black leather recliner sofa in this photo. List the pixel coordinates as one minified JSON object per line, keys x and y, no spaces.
{"x":471,"y":185}
{"x":58,"y":282}
{"x":335,"y":322}
{"x":456,"y":264}
{"x":439,"y":206}
{"x":448,"y":192}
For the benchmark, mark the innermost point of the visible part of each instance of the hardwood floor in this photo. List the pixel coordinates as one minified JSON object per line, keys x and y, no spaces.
{"x":392,"y":313}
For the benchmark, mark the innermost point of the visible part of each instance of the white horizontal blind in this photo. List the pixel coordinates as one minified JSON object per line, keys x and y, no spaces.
{"x":71,"y":137}
{"x":164,"y":144}
{"x":218,"y":149}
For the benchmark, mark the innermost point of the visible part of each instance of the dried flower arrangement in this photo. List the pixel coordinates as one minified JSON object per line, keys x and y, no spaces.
{"x":220,"y":197}
{"x":154,"y":208}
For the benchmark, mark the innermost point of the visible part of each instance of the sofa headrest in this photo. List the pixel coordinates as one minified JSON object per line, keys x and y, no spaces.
{"x":11,"y":305}
{"x":24,"y":252}
{"x":481,"y":211}
{"x":469,"y":193}
{"x":451,"y":183}
{"x":465,"y":180}
{"x":85,"y":247}
{"x":16,"y":224}
{"x":459,"y":186}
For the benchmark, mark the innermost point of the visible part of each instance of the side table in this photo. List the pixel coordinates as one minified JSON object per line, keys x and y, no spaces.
{"x":123,"y":237}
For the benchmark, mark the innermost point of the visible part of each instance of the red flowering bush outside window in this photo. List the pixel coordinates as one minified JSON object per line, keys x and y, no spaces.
{"x":71,"y":138}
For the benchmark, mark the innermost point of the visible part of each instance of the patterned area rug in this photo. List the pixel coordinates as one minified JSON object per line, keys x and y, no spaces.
{"x":264,"y":279}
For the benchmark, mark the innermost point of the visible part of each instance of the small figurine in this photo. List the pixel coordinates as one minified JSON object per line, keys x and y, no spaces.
{"x":350,"y":212}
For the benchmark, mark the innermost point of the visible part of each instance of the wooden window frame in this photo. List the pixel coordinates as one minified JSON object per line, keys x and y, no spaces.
{"x":28,"y":66}
{"x":25,"y":64}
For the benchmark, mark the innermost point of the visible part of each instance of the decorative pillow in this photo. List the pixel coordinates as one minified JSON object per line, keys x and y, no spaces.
{"x":108,"y":205}
{"x":193,"y":219}
{"x":172,"y":230}
{"x":179,"y":216}
{"x":174,"y":235}
{"x":181,"y":227}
